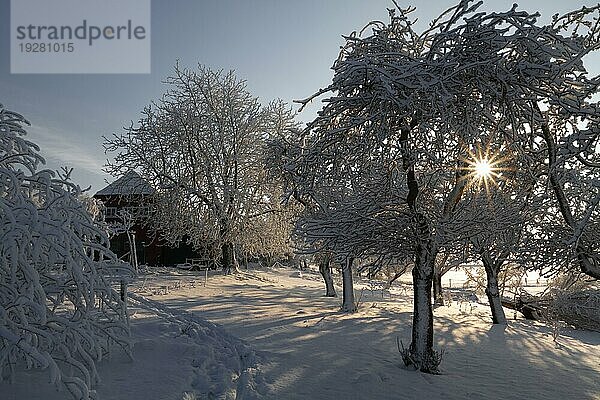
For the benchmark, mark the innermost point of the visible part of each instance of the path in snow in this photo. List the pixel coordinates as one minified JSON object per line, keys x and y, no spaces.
{"x":315,"y":352}
{"x":309,"y":350}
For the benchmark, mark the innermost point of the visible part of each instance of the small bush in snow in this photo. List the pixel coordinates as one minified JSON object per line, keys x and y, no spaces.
{"x":58,"y":310}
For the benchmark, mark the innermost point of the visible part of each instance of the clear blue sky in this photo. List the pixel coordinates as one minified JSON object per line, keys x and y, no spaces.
{"x":283,"y":48}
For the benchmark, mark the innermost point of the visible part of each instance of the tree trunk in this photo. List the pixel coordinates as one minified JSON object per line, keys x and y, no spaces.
{"x":532,"y":308}
{"x":421,"y":347}
{"x":492,"y":291}
{"x":348,"y":304}
{"x":438,"y":294}
{"x":588,"y":263}
{"x":421,"y":352}
{"x":227,"y":257}
{"x":422,"y":330}
{"x":325,"y":270}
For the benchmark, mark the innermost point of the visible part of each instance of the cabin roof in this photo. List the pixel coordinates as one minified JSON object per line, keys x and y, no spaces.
{"x":131,"y":183}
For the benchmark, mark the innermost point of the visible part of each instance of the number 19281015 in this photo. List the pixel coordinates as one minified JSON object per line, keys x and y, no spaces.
{"x":36,"y":47}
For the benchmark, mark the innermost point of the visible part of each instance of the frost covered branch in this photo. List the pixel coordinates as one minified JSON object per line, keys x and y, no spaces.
{"x":58,"y":310}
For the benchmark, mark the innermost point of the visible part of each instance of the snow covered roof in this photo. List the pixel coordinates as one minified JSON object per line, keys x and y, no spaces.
{"x":128,"y":184}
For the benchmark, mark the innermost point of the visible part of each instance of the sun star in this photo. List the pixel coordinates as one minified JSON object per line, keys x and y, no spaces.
{"x":483,"y":169}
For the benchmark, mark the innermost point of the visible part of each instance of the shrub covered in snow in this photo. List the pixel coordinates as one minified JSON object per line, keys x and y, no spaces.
{"x":58,"y":310}
{"x":579,"y":308}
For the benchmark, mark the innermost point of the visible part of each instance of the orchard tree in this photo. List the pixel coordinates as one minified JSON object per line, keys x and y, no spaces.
{"x":353,"y":227}
{"x":552,"y":99}
{"x":267,"y":233}
{"x":549,"y":244}
{"x":425,"y":106}
{"x":572,"y":139}
{"x":202,"y":146}
{"x":410,"y":107}
{"x":497,"y":244}
{"x":448,"y":258}
{"x":342,"y":219}
{"x":505,"y":210}
{"x":58,"y":309}
{"x":125,"y":224}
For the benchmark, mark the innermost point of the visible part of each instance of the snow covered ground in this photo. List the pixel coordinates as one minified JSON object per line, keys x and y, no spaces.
{"x":279,"y":338}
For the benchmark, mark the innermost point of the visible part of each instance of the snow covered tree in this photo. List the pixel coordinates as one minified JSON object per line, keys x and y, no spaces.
{"x":445,"y":261}
{"x":496,"y":245}
{"x":125,"y":224}
{"x":58,"y":309}
{"x":575,"y":182}
{"x":202,"y":146}
{"x":504,"y":212}
{"x":398,"y":110}
{"x":553,"y":100}
{"x":425,"y":107}
{"x":92,"y":205}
